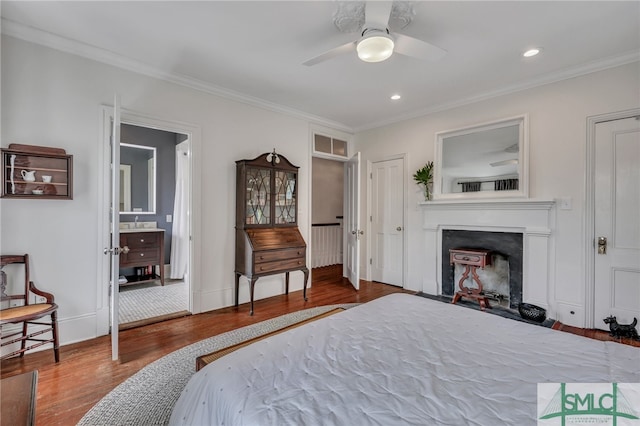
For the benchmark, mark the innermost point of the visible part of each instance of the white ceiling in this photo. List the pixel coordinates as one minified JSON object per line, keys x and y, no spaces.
{"x":254,"y":50}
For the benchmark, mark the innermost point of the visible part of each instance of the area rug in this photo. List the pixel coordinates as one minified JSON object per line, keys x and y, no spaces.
{"x":147,"y":397}
{"x":144,"y":301}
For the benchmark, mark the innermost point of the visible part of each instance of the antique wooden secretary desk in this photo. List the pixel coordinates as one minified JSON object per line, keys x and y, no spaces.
{"x":268,"y":241}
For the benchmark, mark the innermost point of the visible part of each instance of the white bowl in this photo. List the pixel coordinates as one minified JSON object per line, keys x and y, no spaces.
{"x":37,"y":192}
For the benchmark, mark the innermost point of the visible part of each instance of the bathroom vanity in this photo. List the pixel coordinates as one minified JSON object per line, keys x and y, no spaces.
{"x":142,"y":249}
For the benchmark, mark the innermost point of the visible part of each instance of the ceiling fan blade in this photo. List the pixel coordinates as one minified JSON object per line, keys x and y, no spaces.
{"x":340,"y":50}
{"x":415,"y":48}
{"x":376,"y":14}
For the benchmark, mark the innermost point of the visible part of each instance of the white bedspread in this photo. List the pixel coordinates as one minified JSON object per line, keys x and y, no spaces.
{"x":400,"y":359}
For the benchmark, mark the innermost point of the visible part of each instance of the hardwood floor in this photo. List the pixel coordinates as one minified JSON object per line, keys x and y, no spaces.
{"x":85,"y":373}
{"x":595,"y":334}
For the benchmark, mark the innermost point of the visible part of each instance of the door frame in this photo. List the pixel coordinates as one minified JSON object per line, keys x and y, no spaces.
{"x":369,"y":192}
{"x":333,"y":133}
{"x":195,"y":208}
{"x":590,"y":185}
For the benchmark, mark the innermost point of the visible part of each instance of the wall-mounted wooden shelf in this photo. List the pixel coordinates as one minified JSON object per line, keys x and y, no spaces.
{"x":37,"y":162}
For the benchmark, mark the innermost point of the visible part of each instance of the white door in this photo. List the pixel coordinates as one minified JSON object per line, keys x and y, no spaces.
{"x":352,"y":220}
{"x":617,"y":221}
{"x":114,"y":226}
{"x":387,"y":221}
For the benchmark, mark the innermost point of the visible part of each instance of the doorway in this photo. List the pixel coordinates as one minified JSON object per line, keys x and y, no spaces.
{"x":330,"y":203}
{"x":327,"y":187}
{"x":158,"y":290}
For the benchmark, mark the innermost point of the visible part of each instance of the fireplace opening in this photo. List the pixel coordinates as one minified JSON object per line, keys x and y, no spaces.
{"x":502,"y":279}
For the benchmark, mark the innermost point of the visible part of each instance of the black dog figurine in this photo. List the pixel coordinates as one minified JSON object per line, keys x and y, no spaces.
{"x":622,"y":330}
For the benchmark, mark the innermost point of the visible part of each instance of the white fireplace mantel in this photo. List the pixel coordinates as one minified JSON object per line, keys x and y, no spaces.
{"x":534,"y":218}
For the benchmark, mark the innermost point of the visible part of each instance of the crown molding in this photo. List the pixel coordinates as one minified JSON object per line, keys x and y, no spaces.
{"x":33,"y":35}
{"x":74,"y":47}
{"x":564,"y":74}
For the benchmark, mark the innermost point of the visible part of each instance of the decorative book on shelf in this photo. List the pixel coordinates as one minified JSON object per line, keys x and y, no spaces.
{"x":30,"y":171}
{"x":268,"y":241}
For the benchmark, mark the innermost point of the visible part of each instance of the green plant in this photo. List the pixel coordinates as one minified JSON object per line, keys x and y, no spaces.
{"x":424,"y":176}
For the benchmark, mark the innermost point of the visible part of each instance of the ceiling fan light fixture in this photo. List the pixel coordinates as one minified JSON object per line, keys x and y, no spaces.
{"x":375,"y":46}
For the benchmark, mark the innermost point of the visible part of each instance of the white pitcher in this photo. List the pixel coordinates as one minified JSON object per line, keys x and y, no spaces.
{"x":29,"y":176}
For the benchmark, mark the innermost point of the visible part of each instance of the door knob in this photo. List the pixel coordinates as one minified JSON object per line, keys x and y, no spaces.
{"x":399,"y":228}
{"x":116,"y":251}
{"x":602,"y":245}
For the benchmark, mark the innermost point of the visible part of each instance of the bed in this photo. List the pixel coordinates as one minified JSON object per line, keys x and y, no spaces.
{"x":400,"y":359}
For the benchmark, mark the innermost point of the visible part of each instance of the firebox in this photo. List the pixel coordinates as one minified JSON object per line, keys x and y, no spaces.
{"x":503,"y":279}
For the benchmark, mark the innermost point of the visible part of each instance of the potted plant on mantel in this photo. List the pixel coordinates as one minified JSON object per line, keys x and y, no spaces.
{"x":424,"y":176}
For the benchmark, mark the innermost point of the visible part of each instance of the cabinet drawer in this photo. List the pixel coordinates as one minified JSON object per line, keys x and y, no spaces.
{"x":279,"y":265}
{"x":143,"y":257}
{"x":273,"y":255}
{"x":473,"y":259}
{"x":141,"y":240}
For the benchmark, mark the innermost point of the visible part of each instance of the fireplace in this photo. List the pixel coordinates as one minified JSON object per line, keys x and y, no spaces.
{"x":503,"y":277}
{"x":530,"y":256}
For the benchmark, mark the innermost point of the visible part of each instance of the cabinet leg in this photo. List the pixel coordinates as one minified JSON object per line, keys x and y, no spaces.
{"x":237,"y":286}
{"x":253,"y":286}
{"x":306,"y":279}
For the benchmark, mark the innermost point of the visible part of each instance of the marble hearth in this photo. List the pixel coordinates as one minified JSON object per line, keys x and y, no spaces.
{"x":533,"y":219}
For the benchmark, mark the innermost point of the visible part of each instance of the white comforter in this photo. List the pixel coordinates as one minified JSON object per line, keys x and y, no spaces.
{"x":400,"y":359}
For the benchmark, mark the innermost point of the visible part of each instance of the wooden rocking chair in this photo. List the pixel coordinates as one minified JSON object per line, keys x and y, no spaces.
{"x":19,"y":309}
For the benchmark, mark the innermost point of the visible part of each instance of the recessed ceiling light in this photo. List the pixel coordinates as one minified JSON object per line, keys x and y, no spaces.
{"x":395,"y":97}
{"x":531,"y":52}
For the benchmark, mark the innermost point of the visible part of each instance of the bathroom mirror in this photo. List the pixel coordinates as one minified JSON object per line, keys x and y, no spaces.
{"x":137,"y":179}
{"x":483,"y":161}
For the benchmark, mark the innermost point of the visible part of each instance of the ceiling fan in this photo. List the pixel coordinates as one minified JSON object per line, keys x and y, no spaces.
{"x":376,"y":43}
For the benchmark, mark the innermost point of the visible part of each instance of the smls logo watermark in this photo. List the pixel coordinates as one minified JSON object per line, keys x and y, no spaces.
{"x":616,"y":404}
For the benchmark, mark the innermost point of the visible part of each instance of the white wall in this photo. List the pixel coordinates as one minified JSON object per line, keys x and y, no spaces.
{"x":557,"y":128}
{"x":54,"y":99}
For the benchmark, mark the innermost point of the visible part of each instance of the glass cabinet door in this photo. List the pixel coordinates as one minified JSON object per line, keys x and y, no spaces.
{"x":258,"y":196}
{"x":285,"y":197}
